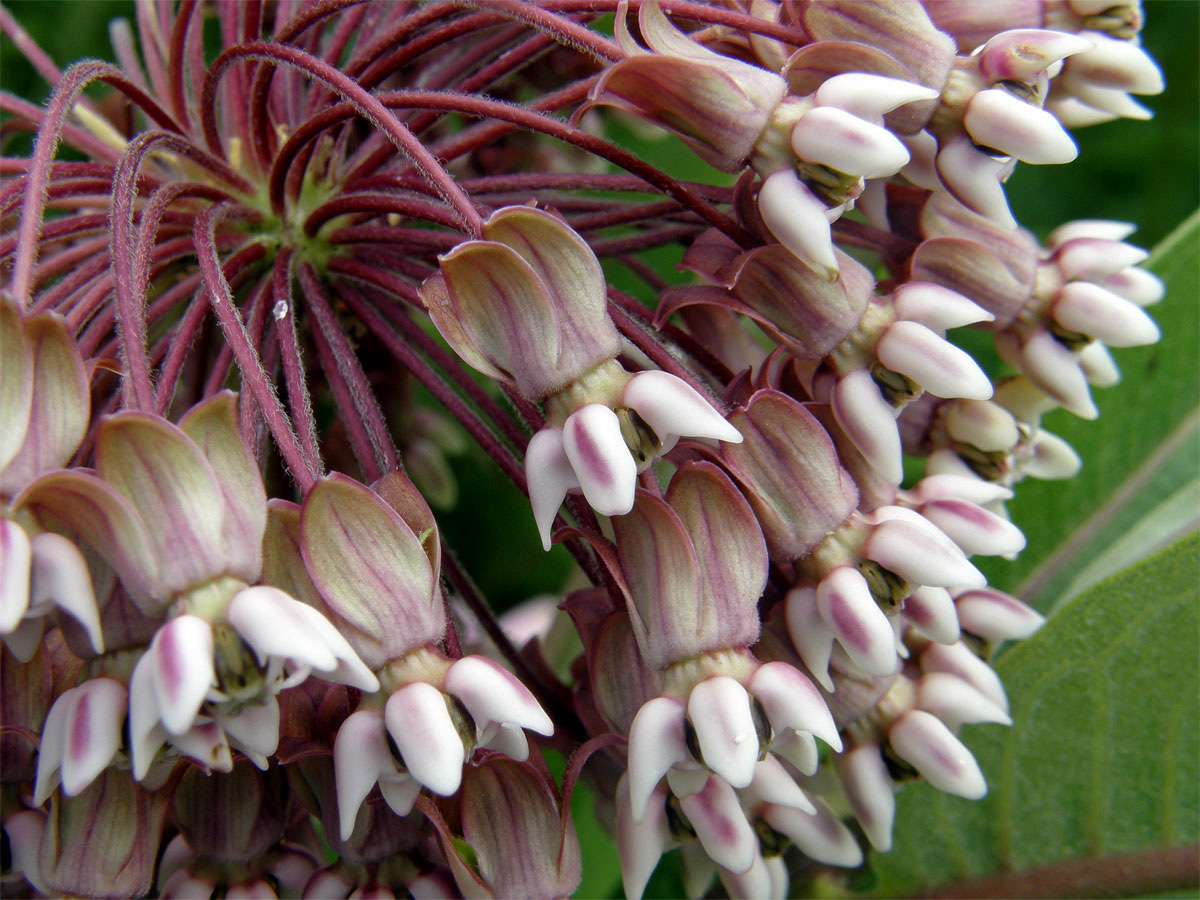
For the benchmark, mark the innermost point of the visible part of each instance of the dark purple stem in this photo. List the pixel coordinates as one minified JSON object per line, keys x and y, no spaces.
{"x":289,"y":355}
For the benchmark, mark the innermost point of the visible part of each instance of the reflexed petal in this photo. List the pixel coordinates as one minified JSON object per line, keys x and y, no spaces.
{"x":182,"y":655}
{"x":932,"y":610}
{"x":995,"y":616}
{"x":934,"y":363}
{"x":360,"y":756}
{"x":845,"y":143}
{"x":61,"y":576}
{"x":1051,"y":458}
{"x":975,"y":529}
{"x":420,"y":724}
{"x":1098,"y":365}
{"x":400,"y":794}
{"x":1094,"y":229}
{"x":799,"y":748}
{"x":869,"y":789}
{"x":1094,"y":259}
{"x":1055,"y":369}
{"x":958,"y":659}
{"x":92,"y":732}
{"x":1099,"y":313}
{"x":146,"y":734}
{"x":1119,"y":65}
{"x":254,"y":728}
{"x":507,"y":739}
{"x":921,"y":739}
{"x":549,"y":476}
{"x":51,"y":747}
{"x":721,"y":825}
{"x":602,"y":462}
{"x":957,"y":703}
{"x":719,"y":710}
{"x":861,"y":627}
{"x":641,"y":842}
{"x":1000,"y":121}
{"x":1022,"y":54}
{"x":16,"y":566}
{"x":774,"y":784}
{"x":947,"y":486}
{"x":206,"y":744}
{"x":1137,"y":286}
{"x":821,"y":836}
{"x":811,"y":637}
{"x":974,"y":178}
{"x":869,"y":96}
{"x":493,"y":694}
{"x":764,"y":880}
{"x":937,"y":307}
{"x":921,"y":555}
{"x":797,"y":219}
{"x":656,"y":743}
{"x":870,"y":423}
{"x":24,"y":640}
{"x":671,"y":406}
{"x":791,"y":701}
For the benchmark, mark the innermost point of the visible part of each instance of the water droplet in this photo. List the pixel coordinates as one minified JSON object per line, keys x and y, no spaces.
{"x":280,"y":310}
{"x":740,"y":738}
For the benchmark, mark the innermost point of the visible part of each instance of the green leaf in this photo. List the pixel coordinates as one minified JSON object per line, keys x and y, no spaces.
{"x":1140,"y":451}
{"x":1104,"y":756}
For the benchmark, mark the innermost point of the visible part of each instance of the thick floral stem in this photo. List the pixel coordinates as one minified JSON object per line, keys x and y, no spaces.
{"x":699,"y":12}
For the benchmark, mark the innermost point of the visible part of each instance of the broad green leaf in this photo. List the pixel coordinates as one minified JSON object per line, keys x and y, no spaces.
{"x":1103,"y":757}
{"x":1136,"y":455}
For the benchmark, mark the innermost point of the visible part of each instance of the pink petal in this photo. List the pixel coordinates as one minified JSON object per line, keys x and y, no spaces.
{"x":1023,"y":54}
{"x":932,"y":362}
{"x":861,"y":627}
{"x":93,"y":732}
{"x":182,"y":654}
{"x":932,"y":610}
{"x":797,"y":219}
{"x":671,"y":406}
{"x":870,"y":423}
{"x":791,"y":702}
{"x":958,"y":659}
{"x":61,"y":576}
{"x":602,"y":462}
{"x":420,"y":724}
{"x":810,"y":635}
{"x":360,"y":755}
{"x":975,"y":529}
{"x":493,"y":694}
{"x":995,"y":616}
{"x":820,"y":836}
{"x":1137,"y":286}
{"x":971,"y":489}
{"x":721,"y":826}
{"x":549,"y":475}
{"x":869,"y":789}
{"x":16,"y":566}
{"x":921,"y":739}
{"x":921,"y":555}
{"x":845,"y":143}
{"x":719,"y":710}
{"x":1054,"y":369}
{"x":656,"y":743}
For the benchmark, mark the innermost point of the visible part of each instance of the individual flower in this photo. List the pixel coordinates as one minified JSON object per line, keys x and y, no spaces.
{"x":373,"y":557}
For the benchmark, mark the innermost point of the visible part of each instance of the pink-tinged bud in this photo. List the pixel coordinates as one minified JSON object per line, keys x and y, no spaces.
{"x":789,"y":470}
{"x":717,"y":105}
{"x":976,"y":530}
{"x":870,"y":791}
{"x":512,"y":819}
{"x":375,"y":564}
{"x":526,"y":304}
{"x":996,"y":616}
{"x":106,"y":836}
{"x":695,"y":565}
{"x":921,"y":739}
{"x":820,"y":836}
{"x":44,"y":400}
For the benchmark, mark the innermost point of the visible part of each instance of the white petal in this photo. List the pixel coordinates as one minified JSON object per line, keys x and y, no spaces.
{"x":146,"y":734}
{"x":1094,"y":259}
{"x":719,"y":710}
{"x":182,"y":653}
{"x":870,"y":423}
{"x":16,"y":566}
{"x":1051,"y":458}
{"x":206,"y":744}
{"x":61,"y":576}
{"x":360,"y":754}
{"x":1000,"y":121}
{"x":656,"y":743}
{"x":932,"y":611}
{"x":936,"y":307}
{"x":549,"y":476}
{"x":869,"y":96}
{"x":948,"y":486}
{"x":1055,"y":369}
{"x":791,"y":701}
{"x":810,"y":635}
{"x":509,"y":740}
{"x":420,"y":724}
{"x":254,"y":728}
{"x":975,"y":529}
{"x":602,"y":461}
{"x":920,"y":556}
{"x":23,"y":641}
{"x":720,"y":825}
{"x":960,"y":660}
{"x":921,"y":739}
{"x":270,"y":622}
{"x":956,"y":702}
{"x":1098,"y":365}
{"x":493,"y":694}
{"x":800,"y":749}
{"x":671,"y":406}
{"x":759,"y":881}
{"x":773,"y":784}
{"x":932,"y":362}
{"x":1098,"y":229}
{"x":996,"y":616}
{"x":92,"y":733}
{"x":820,"y":836}
{"x":872,"y":795}
{"x":861,"y":627}
{"x":975,"y":179}
{"x":641,"y":841}
{"x":51,"y":746}
{"x":400,"y":793}
{"x":1090,"y":309}
{"x":797,"y":219}
{"x":845,"y":143}
{"x":1137,"y":286}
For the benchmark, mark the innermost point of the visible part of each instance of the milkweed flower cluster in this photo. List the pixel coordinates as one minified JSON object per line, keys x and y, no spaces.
{"x":245,"y":326}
